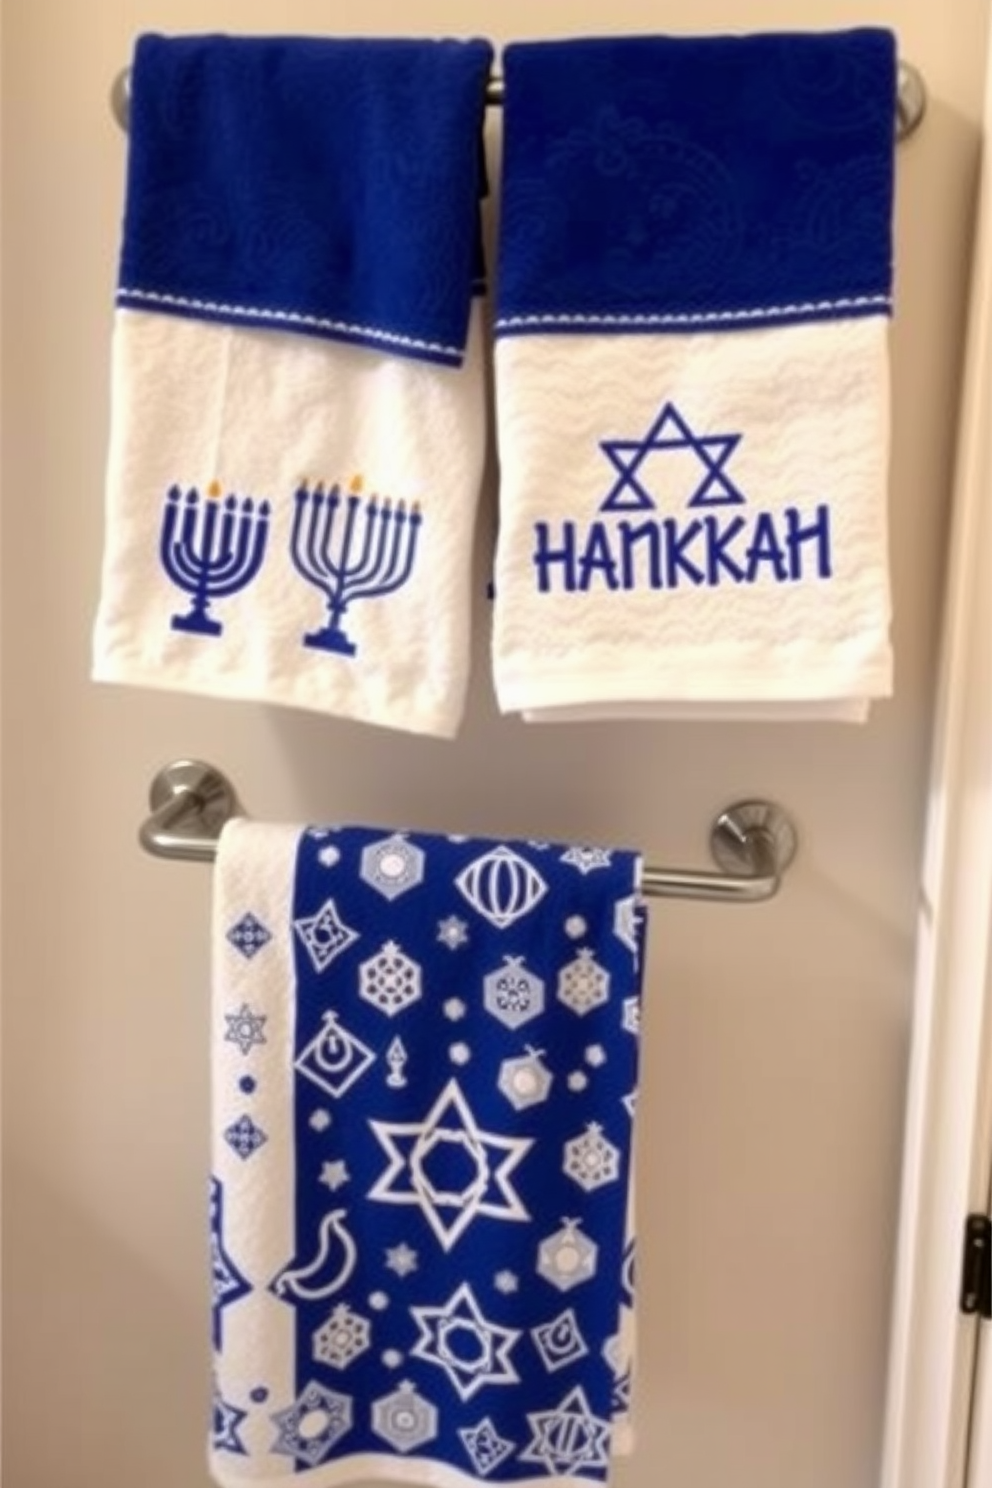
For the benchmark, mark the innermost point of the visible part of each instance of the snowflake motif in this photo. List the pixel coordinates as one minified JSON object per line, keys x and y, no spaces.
{"x":452,"y":932}
{"x":506,"y":1282}
{"x":392,"y":1358}
{"x":513,"y":994}
{"x":401,"y":1259}
{"x":629,"y":1104}
{"x":632,"y":1015}
{"x":320,"y":1120}
{"x":244,"y":1137}
{"x":578,"y":1080}
{"x":454,"y":1009}
{"x":335,"y":1175}
{"x":459,"y":1053}
{"x":590,"y":1160}
{"x":249,"y":935}
{"x":392,"y":866}
{"x":575,"y":927}
{"x":244,"y":1028}
{"x":390,"y":980}
{"x":586,"y":859}
{"x":329,"y":856}
{"x":310,"y":1427}
{"x":344,"y":1336}
{"x":566,"y":1258}
{"x":595,"y":1055}
{"x":247,"y":1085}
{"x":404,"y":1419}
{"x":259,"y":1395}
{"x":378,"y":1301}
{"x":525,"y":1081}
{"x":583,"y":984}
{"x":485,"y":1446}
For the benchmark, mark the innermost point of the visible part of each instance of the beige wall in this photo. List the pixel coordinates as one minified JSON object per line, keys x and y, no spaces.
{"x":776,"y":1040}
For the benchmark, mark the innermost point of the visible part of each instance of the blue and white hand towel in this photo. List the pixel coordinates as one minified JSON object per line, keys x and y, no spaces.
{"x":298,"y":410}
{"x":425,"y":1058}
{"x":692,"y":376}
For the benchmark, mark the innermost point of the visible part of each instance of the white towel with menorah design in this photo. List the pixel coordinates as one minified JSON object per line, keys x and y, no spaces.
{"x":298,"y":417}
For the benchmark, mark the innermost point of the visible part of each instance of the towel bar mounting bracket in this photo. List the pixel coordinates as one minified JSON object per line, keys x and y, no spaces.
{"x":753,"y":841}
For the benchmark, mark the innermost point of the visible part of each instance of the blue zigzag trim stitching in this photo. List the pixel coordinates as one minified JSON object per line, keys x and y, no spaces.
{"x":281,"y":320}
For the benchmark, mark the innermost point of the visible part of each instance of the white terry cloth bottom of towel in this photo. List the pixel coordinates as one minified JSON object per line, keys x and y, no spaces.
{"x":853,"y":710}
{"x":260,"y":412}
{"x":777,"y":435}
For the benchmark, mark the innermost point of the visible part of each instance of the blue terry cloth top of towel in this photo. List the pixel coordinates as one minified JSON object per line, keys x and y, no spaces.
{"x":329,"y":187}
{"x":681,"y":184}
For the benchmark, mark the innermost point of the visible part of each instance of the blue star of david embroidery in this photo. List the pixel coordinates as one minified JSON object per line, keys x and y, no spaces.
{"x":227,"y":1283}
{"x":671,"y":432}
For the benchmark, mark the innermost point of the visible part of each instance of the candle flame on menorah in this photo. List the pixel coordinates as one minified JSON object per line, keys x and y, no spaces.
{"x":351,"y":550}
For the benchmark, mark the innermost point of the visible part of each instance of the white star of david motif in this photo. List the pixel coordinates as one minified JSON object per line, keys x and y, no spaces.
{"x":569,"y":1438}
{"x":472,"y":1351}
{"x":671,"y":432}
{"x":449,"y":1168}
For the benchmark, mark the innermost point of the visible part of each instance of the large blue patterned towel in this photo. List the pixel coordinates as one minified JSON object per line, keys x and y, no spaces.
{"x":424,"y":1071}
{"x":298,"y":404}
{"x":692,"y":374}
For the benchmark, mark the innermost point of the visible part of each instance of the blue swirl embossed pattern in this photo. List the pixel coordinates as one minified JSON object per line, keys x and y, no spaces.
{"x":325,"y":186}
{"x":682,"y":183}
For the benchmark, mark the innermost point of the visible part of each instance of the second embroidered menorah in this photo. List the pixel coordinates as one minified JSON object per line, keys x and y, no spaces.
{"x":349,"y":547}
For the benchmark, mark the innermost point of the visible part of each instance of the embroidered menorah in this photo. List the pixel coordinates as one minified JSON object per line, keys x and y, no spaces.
{"x":211,"y":549}
{"x":351,"y":550}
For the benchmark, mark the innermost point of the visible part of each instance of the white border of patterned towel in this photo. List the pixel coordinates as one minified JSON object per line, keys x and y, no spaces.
{"x":948,"y":1137}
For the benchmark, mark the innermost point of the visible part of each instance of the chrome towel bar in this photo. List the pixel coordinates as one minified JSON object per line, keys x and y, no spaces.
{"x":911,"y":98}
{"x":753,"y":842}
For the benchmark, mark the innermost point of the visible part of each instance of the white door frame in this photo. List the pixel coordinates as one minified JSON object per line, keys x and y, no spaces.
{"x":948,"y":1139}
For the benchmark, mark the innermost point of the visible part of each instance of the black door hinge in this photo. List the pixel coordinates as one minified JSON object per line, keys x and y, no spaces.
{"x":976,"y":1271}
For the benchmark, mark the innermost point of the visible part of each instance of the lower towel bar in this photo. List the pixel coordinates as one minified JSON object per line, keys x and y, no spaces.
{"x":752,"y":841}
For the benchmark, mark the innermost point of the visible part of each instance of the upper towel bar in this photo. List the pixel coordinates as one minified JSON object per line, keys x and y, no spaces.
{"x":911,"y":98}
{"x":752,"y":841}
